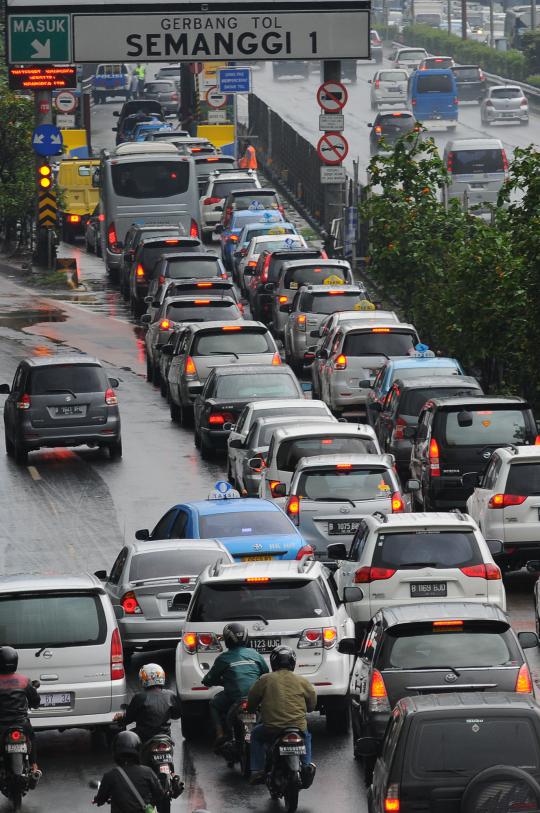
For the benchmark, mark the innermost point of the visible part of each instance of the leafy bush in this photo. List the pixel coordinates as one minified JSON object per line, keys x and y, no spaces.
{"x":534,"y":80}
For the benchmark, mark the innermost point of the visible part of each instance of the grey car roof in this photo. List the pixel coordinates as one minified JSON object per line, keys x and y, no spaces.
{"x":253,"y":369}
{"x":202,"y":326}
{"x":30,"y":582}
{"x":151,"y":546}
{"x":362,"y":430}
{"x":192,"y":255}
{"x":480,"y":401}
{"x":63,"y":359}
{"x":455,"y":381}
{"x":473,"y":144}
{"x":442,"y":611}
{"x":346,"y":457}
{"x":314,"y":261}
{"x":468,"y":700}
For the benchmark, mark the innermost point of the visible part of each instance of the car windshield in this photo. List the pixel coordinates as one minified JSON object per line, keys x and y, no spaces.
{"x":275,"y":600}
{"x":221,"y":189}
{"x":172,"y":563}
{"x":345,"y":484}
{"x":260,"y":230}
{"x":291,"y":451}
{"x":393,"y":76}
{"x":244,"y":523}
{"x":412,"y":55}
{"x":159,"y":87}
{"x":254,"y":201}
{"x":489,"y":427}
{"x":378,"y":343}
{"x":150,"y":179}
{"x":412,"y":401}
{"x":150,"y":254}
{"x":476,"y":162}
{"x":467,"y":73}
{"x":445,"y":646}
{"x":256,"y":385}
{"x":330,"y":302}
{"x":181,"y":287}
{"x":316,"y":274}
{"x":524,"y":479}
{"x":396,"y":123}
{"x":52,"y":620}
{"x":275,"y":243}
{"x":506,"y":93}
{"x":198,"y":268}
{"x":436,"y":549}
{"x":240,"y":342}
{"x":77,"y":378}
{"x":203,"y":310}
{"x":437,"y":83}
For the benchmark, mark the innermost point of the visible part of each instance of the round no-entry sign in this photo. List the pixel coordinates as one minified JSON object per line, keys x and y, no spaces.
{"x":215,"y":98}
{"x":332,"y":148}
{"x":66,"y":101}
{"x":332,"y":96}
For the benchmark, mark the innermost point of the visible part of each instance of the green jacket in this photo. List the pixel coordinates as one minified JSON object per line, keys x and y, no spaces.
{"x":236,"y":670}
{"x":284,"y":699}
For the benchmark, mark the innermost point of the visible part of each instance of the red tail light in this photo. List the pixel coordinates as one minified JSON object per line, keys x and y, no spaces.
{"x":524,"y":683}
{"x":524,"y":103}
{"x":130,"y":604}
{"x":434,"y":458}
{"x":378,"y":696}
{"x":211,"y":201}
{"x":190,"y":368}
{"x":306,"y":550}
{"x":117,"y":656}
{"x":481,"y":75}
{"x":293,"y":509}
{"x":505,"y":500}
{"x":276,"y":360}
{"x":219,"y":418}
{"x":377,"y":83}
{"x":16,"y":736}
{"x":341,"y":362}
{"x":397,"y":434}
{"x":450,"y":161}
{"x":489,"y":572}
{"x":112,"y":240}
{"x":266,"y":265}
{"x":398,"y":506}
{"x":24,"y":403}
{"x":537,"y":440}
{"x":194,"y":229}
{"x":110,"y":397}
{"x":161,"y":279}
{"x":366,"y":575}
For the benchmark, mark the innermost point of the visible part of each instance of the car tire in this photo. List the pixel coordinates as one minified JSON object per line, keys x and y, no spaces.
{"x":149,"y":371}
{"x":185,"y":415}
{"x":162,"y":387}
{"x":20,"y":454}
{"x":197,"y":439}
{"x":115,"y":450}
{"x":338,"y":715}
{"x":207,"y":451}
{"x":495,"y":775}
{"x":10,"y":448}
{"x":156,"y":375}
{"x":174,"y":409}
{"x":206,"y":237}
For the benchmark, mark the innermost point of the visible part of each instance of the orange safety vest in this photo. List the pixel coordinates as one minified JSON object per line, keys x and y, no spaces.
{"x":249,"y":159}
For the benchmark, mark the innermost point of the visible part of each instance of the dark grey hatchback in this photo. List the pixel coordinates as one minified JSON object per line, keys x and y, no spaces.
{"x":61,"y":400}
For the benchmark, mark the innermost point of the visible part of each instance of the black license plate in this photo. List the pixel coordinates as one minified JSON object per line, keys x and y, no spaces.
{"x":428,"y":590}
{"x":264,"y":645}
{"x":347,"y":527}
{"x":70,"y":410}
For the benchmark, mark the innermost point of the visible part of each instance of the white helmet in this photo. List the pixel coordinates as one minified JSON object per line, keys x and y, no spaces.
{"x":152,"y":674}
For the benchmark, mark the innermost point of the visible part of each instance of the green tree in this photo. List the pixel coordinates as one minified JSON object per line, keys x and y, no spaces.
{"x":17,"y":183}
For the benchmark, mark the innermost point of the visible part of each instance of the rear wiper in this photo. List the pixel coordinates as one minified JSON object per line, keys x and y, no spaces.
{"x":247,"y":618}
{"x":450,"y":668}
{"x":224,"y":353}
{"x":65,"y":390}
{"x":332,"y":499}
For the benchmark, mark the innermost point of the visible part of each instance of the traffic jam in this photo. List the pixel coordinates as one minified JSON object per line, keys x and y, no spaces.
{"x":264,"y":547}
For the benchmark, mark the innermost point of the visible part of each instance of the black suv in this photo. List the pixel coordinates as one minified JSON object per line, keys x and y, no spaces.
{"x":440,"y":646}
{"x":147,"y":254}
{"x":456,"y":436}
{"x":388,"y":127}
{"x":266,"y":274}
{"x":135,"y":234}
{"x":438,"y":744}
{"x":396,"y":423}
{"x":471,"y":83}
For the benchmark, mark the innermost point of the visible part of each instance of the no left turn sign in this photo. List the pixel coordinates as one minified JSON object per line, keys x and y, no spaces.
{"x":332,"y":96}
{"x":215,"y":98}
{"x":332,"y":148}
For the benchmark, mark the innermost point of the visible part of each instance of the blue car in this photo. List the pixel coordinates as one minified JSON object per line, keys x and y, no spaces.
{"x":143,"y":129}
{"x":251,"y":529}
{"x":229,"y":236}
{"x":257,"y":230}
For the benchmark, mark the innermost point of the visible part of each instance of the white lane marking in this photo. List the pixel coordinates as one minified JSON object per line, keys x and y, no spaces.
{"x":34,"y":473}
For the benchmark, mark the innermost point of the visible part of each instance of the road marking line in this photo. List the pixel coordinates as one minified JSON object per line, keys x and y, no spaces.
{"x":34,"y":473}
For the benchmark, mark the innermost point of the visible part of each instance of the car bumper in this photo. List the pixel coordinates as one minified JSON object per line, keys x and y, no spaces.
{"x":108,"y":432}
{"x":299,"y":345}
{"x":343,"y":396}
{"x":390,"y":98}
{"x":113,"y":261}
{"x":517,"y":115}
{"x":109,"y":695}
{"x":142,"y":632}
{"x":216,"y":438}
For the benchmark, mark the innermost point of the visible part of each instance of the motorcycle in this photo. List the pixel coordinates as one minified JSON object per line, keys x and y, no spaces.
{"x":16,"y":778}
{"x":240,"y":724}
{"x":285,"y":776}
{"x":158,"y":754}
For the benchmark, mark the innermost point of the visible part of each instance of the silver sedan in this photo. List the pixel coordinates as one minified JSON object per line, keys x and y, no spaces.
{"x":504,"y":103}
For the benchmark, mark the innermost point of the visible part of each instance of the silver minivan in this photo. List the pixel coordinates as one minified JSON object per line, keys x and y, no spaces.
{"x":477,"y":169}
{"x":64,"y":629}
{"x":144,"y":183}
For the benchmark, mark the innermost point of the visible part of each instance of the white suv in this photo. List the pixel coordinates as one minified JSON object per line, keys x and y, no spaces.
{"x":404,"y":558}
{"x":290,"y":603}
{"x":506,"y":502}
{"x":219,"y":186}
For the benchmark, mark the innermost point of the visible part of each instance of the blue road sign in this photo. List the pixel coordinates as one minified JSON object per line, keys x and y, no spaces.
{"x":47,"y":140}
{"x":234,"y":80}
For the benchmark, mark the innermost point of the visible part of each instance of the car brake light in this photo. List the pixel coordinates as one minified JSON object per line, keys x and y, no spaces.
{"x":397,"y":434}
{"x":524,"y":683}
{"x":378,"y":129}
{"x":506,"y":500}
{"x":219,"y":418}
{"x":24,"y":403}
{"x":190,"y":368}
{"x":130,"y":604}
{"x":391,"y":801}
{"x":257,"y":579}
{"x":313,"y":638}
{"x":342,"y":466}
{"x":164,"y":324}
{"x":341,"y":362}
{"x":211,"y":201}
{"x":74,"y":218}
{"x":378,"y":696}
{"x":377,"y":84}
{"x":434,"y":458}
{"x":366,"y":575}
{"x":398,"y":506}
{"x":201,"y":301}
{"x":139,"y":272}
{"x":447,"y":623}
{"x":16,"y":736}
{"x":112,"y":239}
{"x":305,"y":551}
{"x":194,"y":229}
{"x":110,"y":397}
{"x":449,"y":162}
{"x":488,"y":571}
{"x":229,"y":328}
{"x":537,"y":440}
{"x":293,"y":507}
{"x":117,"y":656}
{"x":172,"y":242}
{"x":205,"y":285}
{"x":276,"y":360}
{"x":264,"y":274}
{"x":283,"y":299}
{"x":380,"y":330}
{"x":189,"y":640}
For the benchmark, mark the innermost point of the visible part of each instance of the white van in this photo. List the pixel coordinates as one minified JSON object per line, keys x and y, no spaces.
{"x":147,"y":183}
{"x":64,"y":629}
{"x":477,"y":168}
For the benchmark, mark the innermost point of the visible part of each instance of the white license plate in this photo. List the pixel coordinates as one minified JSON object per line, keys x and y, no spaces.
{"x":56,"y":700}
{"x":17,"y":748}
{"x":248,"y":718}
{"x":71,"y":410}
{"x":164,"y":768}
{"x":292,"y":749}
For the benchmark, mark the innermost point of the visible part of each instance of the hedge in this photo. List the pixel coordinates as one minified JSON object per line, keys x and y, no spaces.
{"x":511,"y":64}
{"x":534,"y":80}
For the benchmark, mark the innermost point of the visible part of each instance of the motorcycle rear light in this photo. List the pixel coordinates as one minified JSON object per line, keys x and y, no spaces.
{"x":292,"y":739}
{"x":283,"y":299}
{"x":164,"y":324}
{"x":117,"y":656}
{"x":305,"y":550}
{"x":366,"y":575}
{"x":139,"y":273}
{"x":160,"y":746}
{"x":190,"y":368}
{"x":398,"y":506}
{"x":506,"y":500}
{"x":24,"y":403}
{"x":397,"y":434}
{"x":110,"y":397}
{"x":233,"y":238}
{"x":16,"y":736}
{"x":524,"y":683}
{"x":193,"y":229}
{"x":130,"y":604}
{"x":257,"y":579}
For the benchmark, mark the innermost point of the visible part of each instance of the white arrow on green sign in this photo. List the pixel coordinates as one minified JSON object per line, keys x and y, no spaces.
{"x":39,"y":38}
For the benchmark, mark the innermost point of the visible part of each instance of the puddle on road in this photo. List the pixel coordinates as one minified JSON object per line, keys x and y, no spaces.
{"x":20,"y":318}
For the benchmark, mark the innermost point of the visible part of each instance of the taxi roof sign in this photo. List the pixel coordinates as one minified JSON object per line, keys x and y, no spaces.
{"x":224,"y":491}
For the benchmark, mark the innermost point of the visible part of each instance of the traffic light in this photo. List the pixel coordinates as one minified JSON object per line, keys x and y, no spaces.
{"x":44,"y":179}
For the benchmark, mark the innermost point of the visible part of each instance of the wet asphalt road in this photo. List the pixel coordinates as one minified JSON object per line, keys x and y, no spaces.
{"x":71,"y":511}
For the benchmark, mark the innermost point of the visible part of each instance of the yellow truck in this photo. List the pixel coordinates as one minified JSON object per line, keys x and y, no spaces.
{"x":77,"y":198}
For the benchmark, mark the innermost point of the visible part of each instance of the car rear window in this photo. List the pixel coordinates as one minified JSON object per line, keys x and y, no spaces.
{"x":490,"y":427}
{"x":240,"y":343}
{"x":221,"y":189}
{"x":393,"y":76}
{"x":150,"y":179}
{"x":506,"y":93}
{"x":378,"y":343}
{"x":411,"y":54}
{"x":436,"y":549}
{"x":31,"y":621}
{"x":159,"y":87}
{"x":260,"y":231}
{"x":172,"y":563}
{"x":445,"y":646}
{"x":203,"y":310}
{"x":181,"y":287}
{"x":317,"y":275}
{"x":241,"y":218}
{"x":467,"y":73}
{"x":469,"y":744}
{"x":244,"y":523}
{"x":291,"y":451}
{"x":274,"y":243}
{"x":71,"y":378}
{"x":393,"y":123}
{"x":337,"y":484}
{"x":276,"y":600}
{"x":439,"y":83}
{"x":254,"y":201}
{"x":256,"y":385}
{"x":330,"y":302}
{"x":524,"y":479}
{"x":412,"y":401}
{"x":149,"y":255}
{"x":195,"y":268}
{"x":476,"y":162}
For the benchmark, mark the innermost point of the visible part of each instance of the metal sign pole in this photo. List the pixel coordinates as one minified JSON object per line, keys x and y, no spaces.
{"x":333,"y":193}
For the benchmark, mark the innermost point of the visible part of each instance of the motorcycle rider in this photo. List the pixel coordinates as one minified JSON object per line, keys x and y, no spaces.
{"x":284,"y":699}
{"x":17,"y":695}
{"x":114,"y":787}
{"x":235,"y":670}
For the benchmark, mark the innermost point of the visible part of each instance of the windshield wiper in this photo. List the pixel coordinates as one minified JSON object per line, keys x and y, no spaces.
{"x":332,"y":499}
{"x":247,"y":618}
{"x":450,"y":668}
{"x":65,"y":390}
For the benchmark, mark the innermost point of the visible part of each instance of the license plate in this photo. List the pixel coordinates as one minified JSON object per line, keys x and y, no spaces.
{"x":248,"y":718}
{"x":428,"y":589}
{"x":349,"y":527}
{"x":56,"y":700}
{"x":160,"y":757}
{"x":394,"y":90}
{"x":264,"y":645}
{"x":292,"y":749}
{"x":70,"y":410}
{"x":164,"y":768}
{"x":257,"y":558}
{"x":17,"y":748}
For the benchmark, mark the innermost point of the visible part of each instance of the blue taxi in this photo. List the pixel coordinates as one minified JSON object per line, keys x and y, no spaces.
{"x":250,"y":528}
{"x":229,"y":236}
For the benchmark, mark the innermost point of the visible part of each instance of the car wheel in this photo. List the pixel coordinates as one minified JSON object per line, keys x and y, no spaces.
{"x":175,"y":412}
{"x":115,"y":449}
{"x":197,"y":439}
{"x":156,"y":375}
{"x":207,"y":451}
{"x":185,"y":415}
{"x":338,"y":715}
{"x":20,"y":453}
{"x":162,"y":387}
{"x":149,"y":371}
{"x":10,"y":448}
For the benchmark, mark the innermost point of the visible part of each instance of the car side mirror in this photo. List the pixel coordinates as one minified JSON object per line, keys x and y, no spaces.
{"x":101,"y":575}
{"x":236,"y":443}
{"x":146,"y":319}
{"x":119,"y":611}
{"x":148,"y":300}
{"x":495,"y":546}
{"x":470,"y":479}
{"x":533,"y":566}
{"x":96,"y":179}
{"x":365,"y":384}
{"x":219,"y":228}
{"x":367,"y":747}
{"x":322,"y":354}
{"x":142,"y":535}
{"x":167,"y":350}
{"x":409,"y":432}
{"x":116,"y":113}
{"x":352,"y":594}
{"x":114,"y":382}
{"x":528,"y":640}
{"x":336,"y":550}
{"x":348,"y":646}
{"x":256,"y":463}
{"x":286,"y":308}
{"x":412,"y":485}
{"x":4,"y":389}
{"x":280,"y":490}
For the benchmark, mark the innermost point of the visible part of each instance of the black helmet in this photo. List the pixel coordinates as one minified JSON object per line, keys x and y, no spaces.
{"x":282,"y":657}
{"x":9,"y":659}
{"x":235,"y":635}
{"x":126,"y":744}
